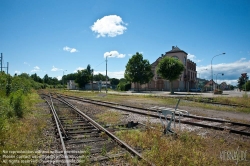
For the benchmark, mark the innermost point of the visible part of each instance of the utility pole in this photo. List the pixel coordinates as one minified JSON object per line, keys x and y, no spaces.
{"x":1,"y":62}
{"x":106,"y":71}
{"x":1,"y":59}
{"x":63,"y":78}
{"x":212,"y":70}
{"x":7,"y":67}
{"x":92,"y":78}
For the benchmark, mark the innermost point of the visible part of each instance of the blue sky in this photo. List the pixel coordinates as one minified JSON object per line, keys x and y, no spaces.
{"x":51,"y":36}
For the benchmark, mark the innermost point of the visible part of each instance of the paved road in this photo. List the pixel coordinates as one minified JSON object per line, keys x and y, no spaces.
{"x":233,"y":93}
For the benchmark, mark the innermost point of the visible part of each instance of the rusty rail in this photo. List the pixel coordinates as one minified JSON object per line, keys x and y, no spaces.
{"x":58,"y":129}
{"x":120,"y":142}
{"x":114,"y":105}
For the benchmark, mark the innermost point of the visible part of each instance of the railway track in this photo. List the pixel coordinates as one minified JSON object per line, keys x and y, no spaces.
{"x":83,"y":140}
{"x":212,"y":101}
{"x":205,"y":122}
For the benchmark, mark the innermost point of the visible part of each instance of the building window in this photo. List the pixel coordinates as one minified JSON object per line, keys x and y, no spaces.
{"x":175,"y":57}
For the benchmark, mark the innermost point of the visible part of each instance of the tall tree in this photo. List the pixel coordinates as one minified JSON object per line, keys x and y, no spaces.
{"x":34,"y":77}
{"x":138,"y":69}
{"x":46,"y":79}
{"x":242,"y":80}
{"x":84,"y":76}
{"x":170,"y":69}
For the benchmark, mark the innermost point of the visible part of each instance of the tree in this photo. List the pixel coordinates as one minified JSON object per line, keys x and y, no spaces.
{"x":247,"y":85}
{"x":242,"y":80}
{"x":170,"y":69}
{"x":24,"y":75}
{"x":114,"y":81}
{"x":46,"y":79}
{"x":99,"y":77}
{"x":138,"y":69}
{"x":36,"y":78}
{"x":84,"y":76}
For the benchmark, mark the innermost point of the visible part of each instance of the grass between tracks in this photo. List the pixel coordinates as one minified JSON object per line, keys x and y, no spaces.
{"x":20,"y":134}
{"x":166,"y":101}
{"x":184,"y":148}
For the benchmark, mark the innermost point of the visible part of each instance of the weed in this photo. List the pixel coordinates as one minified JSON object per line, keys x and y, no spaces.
{"x":85,"y":158}
{"x":17,"y":102}
{"x":245,"y":96}
{"x":109,"y":117}
{"x":104,"y":150}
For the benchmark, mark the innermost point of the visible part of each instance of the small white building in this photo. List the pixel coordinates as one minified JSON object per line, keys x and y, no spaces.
{"x":97,"y":85}
{"x":71,"y":84}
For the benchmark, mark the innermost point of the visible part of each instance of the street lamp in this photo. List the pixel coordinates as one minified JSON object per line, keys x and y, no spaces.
{"x":216,"y":78}
{"x":92,"y":71}
{"x":106,"y":71}
{"x":63,"y":78}
{"x":212,"y":69}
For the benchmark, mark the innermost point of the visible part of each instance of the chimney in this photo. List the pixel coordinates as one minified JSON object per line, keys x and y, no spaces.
{"x":172,"y":47}
{"x":162,"y":55}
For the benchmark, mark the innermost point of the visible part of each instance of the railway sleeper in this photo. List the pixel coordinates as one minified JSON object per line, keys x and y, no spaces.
{"x":75,"y":125}
{"x":84,"y":140}
{"x":85,"y":135}
{"x":79,"y":127}
{"x":82,"y":131}
{"x":92,"y":150}
{"x":107,"y":157}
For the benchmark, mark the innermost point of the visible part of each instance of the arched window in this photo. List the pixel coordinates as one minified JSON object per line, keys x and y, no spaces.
{"x":175,"y":57}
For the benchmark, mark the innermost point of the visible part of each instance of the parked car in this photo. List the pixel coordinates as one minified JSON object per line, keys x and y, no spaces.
{"x":195,"y":90}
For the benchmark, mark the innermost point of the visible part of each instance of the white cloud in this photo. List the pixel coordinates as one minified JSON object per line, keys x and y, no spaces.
{"x":232,"y":71}
{"x":26,"y":63}
{"x":59,"y":77}
{"x":35,"y":69}
{"x":115,"y":74}
{"x":110,"y":26}
{"x":55,"y":69}
{"x":79,"y":68}
{"x":114,"y":54}
{"x":71,"y":50}
{"x":193,"y":58}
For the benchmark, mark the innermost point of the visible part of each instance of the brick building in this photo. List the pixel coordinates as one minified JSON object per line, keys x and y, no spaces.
{"x":186,"y":81}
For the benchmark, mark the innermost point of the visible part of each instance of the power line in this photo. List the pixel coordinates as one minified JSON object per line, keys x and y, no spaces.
{"x":100,"y":64}
{"x":2,"y":64}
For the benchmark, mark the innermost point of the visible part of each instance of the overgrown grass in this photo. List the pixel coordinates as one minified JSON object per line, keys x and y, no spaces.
{"x":182,"y":149}
{"x":21,"y":133}
{"x":109,"y":117}
{"x":185,"y":148}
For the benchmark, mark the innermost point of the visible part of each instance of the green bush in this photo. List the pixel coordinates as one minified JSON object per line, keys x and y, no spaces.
{"x":122,"y":86}
{"x":17,"y":102}
{"x":246,"y":86}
